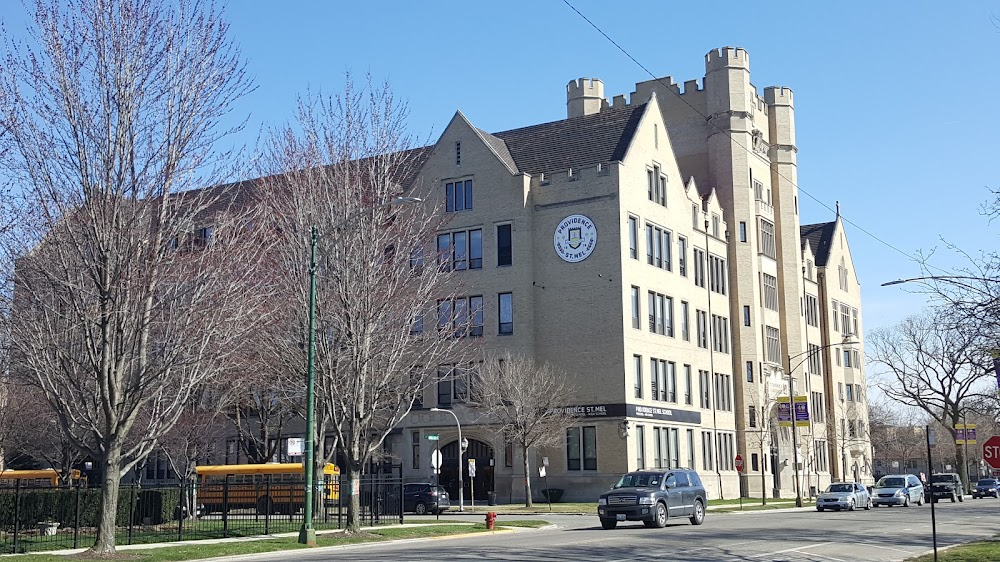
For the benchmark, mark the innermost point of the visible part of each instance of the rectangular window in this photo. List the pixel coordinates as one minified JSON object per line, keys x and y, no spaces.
{"x":749,"y":371}
{"x":720,"y":333}
{"x":460,"y":250}
{"x":685,"y":322}
{"x":668,"y":315}
{"x":715,"y":225}
{"x":658,"y":244}
{"x":690,"y":448}
{"x":854,"y":321}
{"x":444,"y":374}
{"x":815,"y":360}
{"x":706,"y":451}
{"x":847,"y":359}
{"x":754,"y":462}
{"x":752,"y":412}
{"x":773,"y":349}
{"x":505,"y":304}
{"x":850,"y":393}
{"x":637,"y":374}
{"x":640,"y":446}
{"x":812,"y":310}
{"x":444,"y":252}
{"x":767,"y":238}
{"x":633,"y":238}
{"x":476,"y":316}
{"x":655,"y":379}
{"x":505,"y":252}
{"x":460,"y":242}
{"x":743,"y":231}
{"x":458,"y":196}
{"x":769,"y":286}
{"x":682,"y":255}
{"x":671,"y":382}
{"x":636,"y":315}
{"x":665,"y":236}
{"x":415,"y":449}
{"x":717,"y":276}
{"x":574,"y":450}
{"x":699,"y":267}
{"x":688,"y":388}
{"x":840,"y":391}
{"x":834,"y":307}
{"x":581,"y":445}
{"x":417,"y":260}
{"x":661,"y":314}
{"x":476,"y":249}
{"x":746,"y":315}
{"x":845,"y":318}
{"x":702,"y":327}
{"x":704,"y":381}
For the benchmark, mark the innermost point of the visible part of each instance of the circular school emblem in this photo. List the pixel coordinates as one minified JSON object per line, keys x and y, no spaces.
{"x":575,"y":238}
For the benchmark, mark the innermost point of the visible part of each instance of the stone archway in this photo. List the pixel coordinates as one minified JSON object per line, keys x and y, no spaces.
{"x":482,"y":483}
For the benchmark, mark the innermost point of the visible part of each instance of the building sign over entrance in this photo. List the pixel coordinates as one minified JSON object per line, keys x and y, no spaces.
{"x":575,"y":238}
{"x":634,"y":411}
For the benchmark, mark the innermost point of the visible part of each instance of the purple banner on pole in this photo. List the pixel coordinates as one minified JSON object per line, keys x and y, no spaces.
{"x":784,"y":412}
{"x":801,"y":411}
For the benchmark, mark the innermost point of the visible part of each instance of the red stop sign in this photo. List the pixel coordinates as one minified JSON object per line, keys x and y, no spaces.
{"x":991,"y":451}
{"x":739,"y":458}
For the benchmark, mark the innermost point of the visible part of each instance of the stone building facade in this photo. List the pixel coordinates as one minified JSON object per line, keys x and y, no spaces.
{"x":652,"y":249}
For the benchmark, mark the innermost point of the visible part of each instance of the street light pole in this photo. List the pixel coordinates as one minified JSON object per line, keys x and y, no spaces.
{"x":307,"y":535}
{"x":461,"y":449}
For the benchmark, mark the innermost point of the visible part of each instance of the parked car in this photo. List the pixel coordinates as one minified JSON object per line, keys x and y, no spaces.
{"x":654,"y":497}
{"x":945,"y":485}
{"x":844,"y":495}
{"x":986,"y":487}
{"x":423,"y":497}
{"x":898,"y":489}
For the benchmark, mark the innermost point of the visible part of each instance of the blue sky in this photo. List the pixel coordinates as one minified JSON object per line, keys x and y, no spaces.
{"x":894,"y":101}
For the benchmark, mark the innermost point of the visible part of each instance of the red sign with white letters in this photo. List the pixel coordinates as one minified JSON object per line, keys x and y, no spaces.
{"x":991,"y":452}
{"x":739,"y":463}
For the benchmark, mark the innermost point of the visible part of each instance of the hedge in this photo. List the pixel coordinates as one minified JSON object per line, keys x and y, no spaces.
{"x":59,"y":504}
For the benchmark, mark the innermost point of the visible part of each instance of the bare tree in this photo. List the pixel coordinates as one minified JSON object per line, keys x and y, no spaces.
{"x":760,"y":401}
{"x":932,"y":363}
{"x":130,"y":288}
{"x":527,"y":400}
{"x":337,"y":172}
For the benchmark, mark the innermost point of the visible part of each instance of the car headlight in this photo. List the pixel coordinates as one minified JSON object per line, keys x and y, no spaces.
{"x":602,"y":501}
{"x":647,"y":500}
{"x":899,"y":493}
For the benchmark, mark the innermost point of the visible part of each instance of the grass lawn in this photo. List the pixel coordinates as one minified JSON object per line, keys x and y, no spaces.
{"x":195,"y":551}
{"x":986,"y":551}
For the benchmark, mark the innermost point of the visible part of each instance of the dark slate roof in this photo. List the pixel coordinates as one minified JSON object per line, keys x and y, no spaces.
{"x":500,"y":147}
{"x":573,"y":143}
{"x":819,"y":236}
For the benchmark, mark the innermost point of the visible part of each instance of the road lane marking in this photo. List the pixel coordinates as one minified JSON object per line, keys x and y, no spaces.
{"x":796,"y":549}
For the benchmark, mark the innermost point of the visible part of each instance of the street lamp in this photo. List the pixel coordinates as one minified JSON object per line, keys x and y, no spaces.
{"x":463,"y":444}
{"x":791,"y":406}
{"x":946,"y":278}
{"x":307,"y":534}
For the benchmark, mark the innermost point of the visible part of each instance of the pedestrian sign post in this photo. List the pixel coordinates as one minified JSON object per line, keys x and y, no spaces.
{"x":472,"y":484}
{"x":738,"y":463}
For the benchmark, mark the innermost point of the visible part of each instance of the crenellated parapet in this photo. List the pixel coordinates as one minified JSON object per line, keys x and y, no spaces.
{"x":727,"y":57}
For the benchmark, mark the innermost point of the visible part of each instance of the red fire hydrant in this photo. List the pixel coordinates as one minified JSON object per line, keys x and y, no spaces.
{"x":491,"y":519}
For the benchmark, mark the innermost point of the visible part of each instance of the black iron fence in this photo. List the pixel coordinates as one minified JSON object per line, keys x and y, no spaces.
{"x":36,"y":518}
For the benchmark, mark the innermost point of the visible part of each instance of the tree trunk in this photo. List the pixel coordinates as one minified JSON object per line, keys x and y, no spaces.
{"x":962,"y":466}
{"x":105,"y":543}
{"x":763,"y":476}
{"x":354,"y":502}
{"x":527,"y":476}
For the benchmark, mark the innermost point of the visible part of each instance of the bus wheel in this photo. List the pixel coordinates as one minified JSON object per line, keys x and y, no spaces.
{"x":265,"y":505}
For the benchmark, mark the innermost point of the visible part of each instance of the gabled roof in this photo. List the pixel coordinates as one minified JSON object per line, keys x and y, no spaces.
{"x":500,"y":149}
{"x":819,"y":236}
{"x":572,"y":143}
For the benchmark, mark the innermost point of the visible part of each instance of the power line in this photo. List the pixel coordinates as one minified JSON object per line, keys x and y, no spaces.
{"x":740,"y":144}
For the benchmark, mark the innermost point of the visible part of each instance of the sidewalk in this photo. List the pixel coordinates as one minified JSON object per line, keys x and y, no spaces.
{"x":124,"y":548}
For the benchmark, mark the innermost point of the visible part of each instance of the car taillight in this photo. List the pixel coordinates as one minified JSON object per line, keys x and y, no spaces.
{"x":433,"y":493}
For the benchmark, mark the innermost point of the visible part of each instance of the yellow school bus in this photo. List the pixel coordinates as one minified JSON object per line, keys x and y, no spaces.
{"x":267,"y":488}
{"x":42,"y":477}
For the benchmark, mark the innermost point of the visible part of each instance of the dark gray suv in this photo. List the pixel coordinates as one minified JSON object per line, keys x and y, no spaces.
{"x":653,"y":497}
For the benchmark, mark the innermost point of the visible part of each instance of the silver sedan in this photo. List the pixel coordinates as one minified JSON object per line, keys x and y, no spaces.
{"x":844,"y":495}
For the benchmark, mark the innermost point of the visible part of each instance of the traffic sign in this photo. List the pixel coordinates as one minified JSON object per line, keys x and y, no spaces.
{"x":433,"y":436}
{"x":738,"y":462}
{"x":991,"y":452}
{"x":436,"y":459}
{"x":472,"y":467}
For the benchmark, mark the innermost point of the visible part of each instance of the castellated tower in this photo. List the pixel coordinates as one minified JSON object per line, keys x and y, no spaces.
{"x":584,"y":96}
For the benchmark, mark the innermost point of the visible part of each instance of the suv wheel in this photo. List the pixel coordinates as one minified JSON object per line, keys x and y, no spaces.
{"x":420,"y":509}
{"x":906,"y":501}
{"x":661,"y":515}
{"x":699,"y":513}
{"x":920,"y":500}
{"x":953,"y":497}
{"x":869,"y":504}
{"x":609,"y":523}
{"x":961,"y":497}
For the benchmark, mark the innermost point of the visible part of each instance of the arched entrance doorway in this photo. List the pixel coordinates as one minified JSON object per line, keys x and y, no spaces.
{"x":483,"y":481}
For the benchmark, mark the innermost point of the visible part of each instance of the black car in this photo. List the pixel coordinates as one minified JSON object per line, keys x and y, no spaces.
{"x":654,"y":497}
{"x":986,"y":487}
{"x":423,"y":497}
{"x":945,"y":485}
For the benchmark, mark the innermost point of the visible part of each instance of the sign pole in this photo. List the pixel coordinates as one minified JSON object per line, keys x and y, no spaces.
{"x":930,"y":463}
{"x":437,"y":481}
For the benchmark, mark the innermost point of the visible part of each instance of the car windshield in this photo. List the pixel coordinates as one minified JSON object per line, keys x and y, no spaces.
{"x":942,"y":478}
{"x":888,"y":482}
{"x":639,"y":480}
{"x":835,"y":488}
{"x":987,"y":482}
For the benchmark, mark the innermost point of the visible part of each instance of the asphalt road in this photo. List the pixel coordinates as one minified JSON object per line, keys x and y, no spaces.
{"x":882,"y":534}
